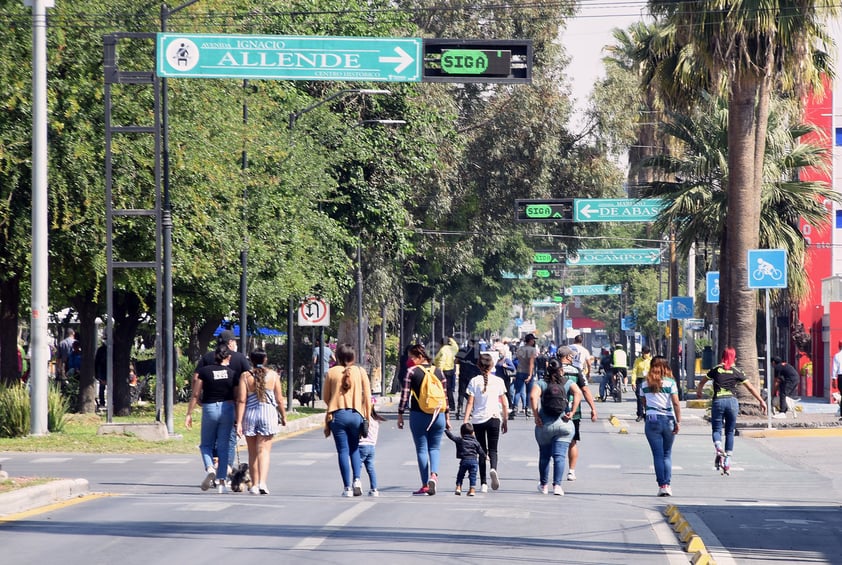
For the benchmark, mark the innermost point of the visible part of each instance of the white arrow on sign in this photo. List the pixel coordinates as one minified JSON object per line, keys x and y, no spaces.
{"x":403,"y":59}
{"x":586,"y":211}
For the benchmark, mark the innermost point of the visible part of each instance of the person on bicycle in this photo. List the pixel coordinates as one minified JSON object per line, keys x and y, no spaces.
{"x":605,"y":366}
{"x":620,"y":362}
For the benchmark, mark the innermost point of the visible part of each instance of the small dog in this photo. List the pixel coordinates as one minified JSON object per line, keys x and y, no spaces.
{"x":241,"y":478}
{"x":304,"y":398}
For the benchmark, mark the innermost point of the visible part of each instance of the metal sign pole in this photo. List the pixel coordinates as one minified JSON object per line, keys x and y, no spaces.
{"x":768,"y":364}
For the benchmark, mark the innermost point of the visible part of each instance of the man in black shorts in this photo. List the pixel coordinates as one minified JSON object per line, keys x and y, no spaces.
{"x":565,"y":355}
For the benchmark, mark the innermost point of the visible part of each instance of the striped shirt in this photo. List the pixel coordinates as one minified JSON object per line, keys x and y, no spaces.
{"x":660,"y":402}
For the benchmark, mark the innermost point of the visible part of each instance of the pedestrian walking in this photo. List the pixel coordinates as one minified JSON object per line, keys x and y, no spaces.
{"x":659,"y":393}
{"x":260,"y":403}
{"x":639,"y":372}
{"x":367,"y":450}
{"x":526,"y":357}
{"x":566,"y":355}
{"x":725,"y":407}
{"x":468,"y":451}
{"x":554,"y":401}
{"x":486,"y":410}
{"x":347,"y":393}
{"x":445,"y":360}
{"x":213,"y":388}
{"x":427,"y":429}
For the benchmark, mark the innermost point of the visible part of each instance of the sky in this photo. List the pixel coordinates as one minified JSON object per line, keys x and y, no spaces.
{"x":584,"y":38}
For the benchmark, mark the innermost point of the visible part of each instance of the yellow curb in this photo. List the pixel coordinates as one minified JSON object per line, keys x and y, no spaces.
{"x":614,"y":421}
{"x":623,"y":431}
{"x":676,"y":517}
{"x":694,"y":544}
{"x":794,"y":432}
{"x":697,"y":403}
{"x":702,"y":558}
{"x":688,"y":535}
{"x":679,"y":526}
{"x":669,"y":510}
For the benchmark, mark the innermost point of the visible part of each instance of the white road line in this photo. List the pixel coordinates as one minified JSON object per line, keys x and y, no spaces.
{"x":296,"y":462}
{"x":112,"y":460}
{"x":51,"y":460}
{"x":667,"y":538}
{"x":311,"y":454}
{"x":506,"y":513}
{"x":720,"y":555}
{"x":175,"y":461}
{"x":604,"y":466}
{"x":311,"y":543}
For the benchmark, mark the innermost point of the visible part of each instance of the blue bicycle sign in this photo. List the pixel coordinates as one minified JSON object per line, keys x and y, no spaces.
{"x":712,"y":280}
{"x":767,"y":268}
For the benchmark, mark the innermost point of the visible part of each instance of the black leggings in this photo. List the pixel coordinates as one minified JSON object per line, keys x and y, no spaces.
{"x":488,"y":436}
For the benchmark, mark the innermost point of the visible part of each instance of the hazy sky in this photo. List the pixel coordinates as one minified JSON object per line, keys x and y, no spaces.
{"x":585,"y":36}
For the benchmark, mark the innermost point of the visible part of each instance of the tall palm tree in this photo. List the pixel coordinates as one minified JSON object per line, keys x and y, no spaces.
{"x":755,"y":46}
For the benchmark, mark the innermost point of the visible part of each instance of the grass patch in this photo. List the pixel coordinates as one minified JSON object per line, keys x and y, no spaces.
{"x":16,"y":483}
{"x":80,"y":434}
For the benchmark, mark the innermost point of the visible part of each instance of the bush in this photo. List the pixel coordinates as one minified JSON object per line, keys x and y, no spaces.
{"x":15,"y":410}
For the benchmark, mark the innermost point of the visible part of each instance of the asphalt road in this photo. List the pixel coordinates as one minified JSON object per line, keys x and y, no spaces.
{"x":781,"y":504}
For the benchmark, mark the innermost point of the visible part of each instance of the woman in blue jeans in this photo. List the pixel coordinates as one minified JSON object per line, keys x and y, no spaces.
{"x":659,"y":394}
{"x":427,"y":429}
{"x":553,"y":432}
{"x":347,"y":393}
{"x":725,"y":406}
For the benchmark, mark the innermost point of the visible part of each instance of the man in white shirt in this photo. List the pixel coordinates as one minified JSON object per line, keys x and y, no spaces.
{"x":581,"y":356}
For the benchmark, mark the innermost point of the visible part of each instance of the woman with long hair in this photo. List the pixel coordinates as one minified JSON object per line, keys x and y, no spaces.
{"x":427,"y":430}
{"x":659,"y":394}
{"x":487,"y":410}
{"x":347,"y":393}
{"x":725,"y":407}
{"x":554,"y":429}
{"x":259,"y":402}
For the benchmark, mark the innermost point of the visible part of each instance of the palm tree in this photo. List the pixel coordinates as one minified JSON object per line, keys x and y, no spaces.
{"x":755,"y":47}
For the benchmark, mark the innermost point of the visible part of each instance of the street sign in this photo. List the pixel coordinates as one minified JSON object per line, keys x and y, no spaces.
{"x":767,"y":268}
{"x":543,"y":257}
{"x":593,"y":289}
{"x":279,"y":57}
{"x":546,"y":274}
{"x":664,"y":311}
{"x":558,"y":299}
{"x":558,"y":210}
{"x":628,"y":323}
{"x":477,"y":60}
{"x":682,"y":307}
{"x":518,"y":322}
{"x":544,"y":304}
{"x":510,"y":275}
{"x":314,"y":312}
{"x":694,"y":323}
{"x":616,"y":209}
{"x":712,"y":284}
{"x":646,"y":256}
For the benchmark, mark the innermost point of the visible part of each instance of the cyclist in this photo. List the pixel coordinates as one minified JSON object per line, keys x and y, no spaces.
{"x":620,"y":362}
{"x":605,"y":366}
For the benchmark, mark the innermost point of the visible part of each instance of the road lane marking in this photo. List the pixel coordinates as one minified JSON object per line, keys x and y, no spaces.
{"x":311,"y":543}
{"x":296,"y":462}
{"x":174,"y":462}
{"x":112,"y":460}
{"x":51,"y":460}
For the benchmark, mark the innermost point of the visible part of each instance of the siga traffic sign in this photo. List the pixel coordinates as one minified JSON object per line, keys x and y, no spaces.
{"x":314,"y":312}
{"x":767,"y":268}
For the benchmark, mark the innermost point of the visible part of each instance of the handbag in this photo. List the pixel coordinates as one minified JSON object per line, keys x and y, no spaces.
{"x":364,"y":428}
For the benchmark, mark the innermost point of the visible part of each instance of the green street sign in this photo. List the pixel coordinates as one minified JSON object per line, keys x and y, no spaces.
{"x":546,"y":274}
{"x":558,"y":210}
{"x":548,"y":257}
{"x":593,"y":290}
{"x":558,"y":299}
{"x":370,"y":59}
{"x":648,"y":256}
{"x":476,"y":62}
{"x":616,"y":209}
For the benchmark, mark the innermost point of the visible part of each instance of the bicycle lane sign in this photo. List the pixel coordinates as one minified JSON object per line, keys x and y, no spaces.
{"x":712,"y":279}
{"x":767,"y":268}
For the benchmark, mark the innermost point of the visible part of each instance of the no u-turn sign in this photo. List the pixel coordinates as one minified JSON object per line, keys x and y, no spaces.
{"x":314,"y":312}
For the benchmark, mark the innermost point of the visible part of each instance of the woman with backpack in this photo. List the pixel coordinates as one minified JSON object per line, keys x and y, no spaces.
{"x":423,"y":395}
{"x":487,"y":409}
{"x":554,"y":401}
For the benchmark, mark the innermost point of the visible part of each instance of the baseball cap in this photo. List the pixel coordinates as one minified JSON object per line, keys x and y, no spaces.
{"x":565,"y":351}
{"x":225,"y":336}
{"x":528,"y":337}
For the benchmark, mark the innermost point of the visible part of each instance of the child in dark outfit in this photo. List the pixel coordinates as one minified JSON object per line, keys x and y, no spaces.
{"x":468,"y":451}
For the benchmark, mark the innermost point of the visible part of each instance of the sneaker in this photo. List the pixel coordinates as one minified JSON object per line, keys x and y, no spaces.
{"x":458,"y":491}
{"x":374,"y":492}
{"x":571,"y":475}
{"x":483,"y":487}
{"x":495,"y":480}
{"x":263,"y":489}
{"x":726,"y":465}
{"x":662,"y":490}
{"x":667,"y":490}
{"x":557,"y":490}
{"x":423,"y":491}
{"x":543,"y":489}
{"x":221,"y":488}
{"x":208,"y":482}
{"x":254,"y":490}
{"x":431,"y":484}
{"x":358,"y":488}
{"x":348,"y":492}
{"x":472,"y":491}
{"x":717,"y":461}
{"x":780,"y":416}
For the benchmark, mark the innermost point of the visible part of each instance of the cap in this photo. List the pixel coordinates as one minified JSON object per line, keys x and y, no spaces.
{"x":565,"y":351}
{"x":529,"y":337}
{"x":225,"y":336}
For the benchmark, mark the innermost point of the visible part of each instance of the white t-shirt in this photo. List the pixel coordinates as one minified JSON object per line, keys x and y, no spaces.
{"x":581,"y":355}
{"x":486,"y":404}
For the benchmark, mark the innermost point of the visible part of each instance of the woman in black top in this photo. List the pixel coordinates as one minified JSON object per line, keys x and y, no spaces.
{"x":213,"y":387}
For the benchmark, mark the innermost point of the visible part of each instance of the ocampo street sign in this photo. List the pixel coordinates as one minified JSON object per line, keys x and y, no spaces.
{"x":593,"y":289}
{"x":644,"y":256}
{"x":767,"y":268}
{"x":186,"y":55}
{"x":616,"y":209}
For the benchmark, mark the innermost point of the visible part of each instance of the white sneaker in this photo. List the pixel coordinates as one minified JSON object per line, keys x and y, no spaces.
{"x":557,"y":490}
{"x":263,"y":489}
{"x":373,"y":492}
{"x":571,"y":475}
{"x":780,"y":416}
{"x":221,"y":488}
{"x":543,"y":489}
{"x":358,"y":488}
{"x":254,"y":490}
{"x":209,"y":479}
{"x":667,"y":490}
{"x":495,"y":480}
{"x":662,"y":491}
{"x":483,"y":488}
{"x":348,"y":492}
